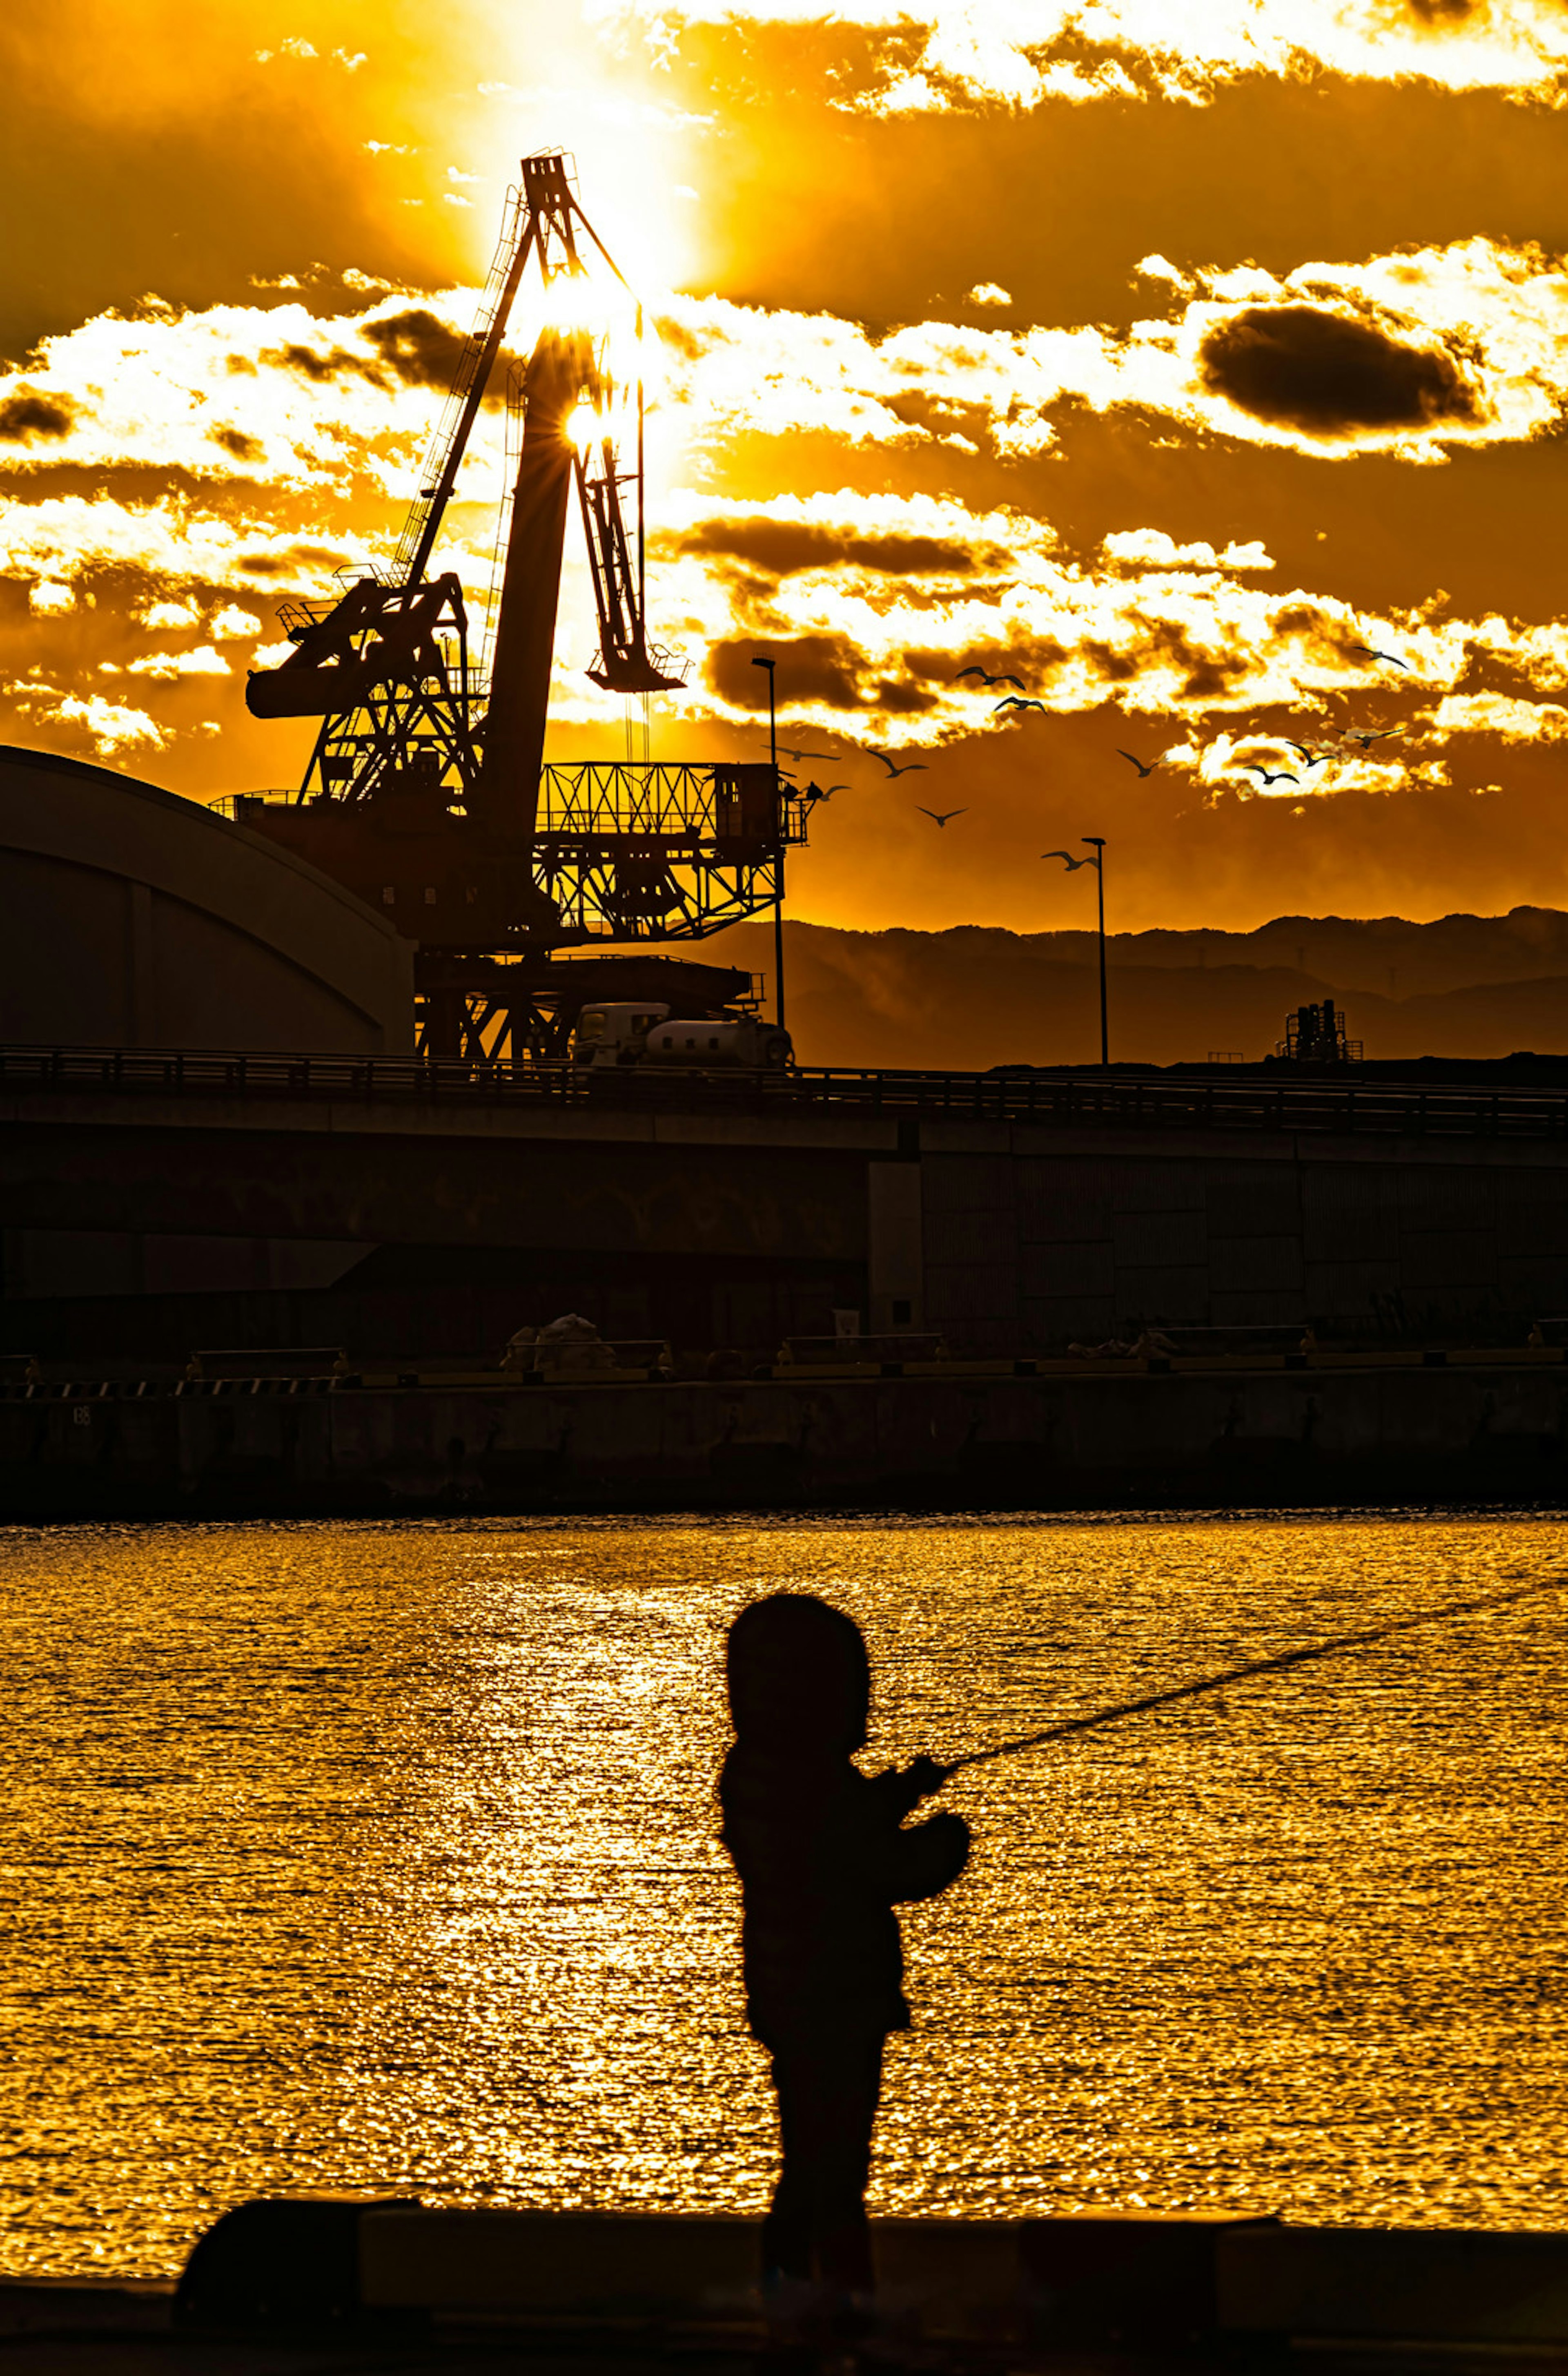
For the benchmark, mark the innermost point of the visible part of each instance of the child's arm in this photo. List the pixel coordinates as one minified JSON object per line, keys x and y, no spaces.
{"x":929,"y":1857}
{"x":899,"y":1794}
{"x":926,"y":1858}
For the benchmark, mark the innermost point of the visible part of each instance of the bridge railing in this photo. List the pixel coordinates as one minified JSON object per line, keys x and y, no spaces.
{"x":1045,"y":1098}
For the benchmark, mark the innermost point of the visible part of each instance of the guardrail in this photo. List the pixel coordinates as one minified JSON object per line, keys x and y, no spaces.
{"x":1061,"y":1098}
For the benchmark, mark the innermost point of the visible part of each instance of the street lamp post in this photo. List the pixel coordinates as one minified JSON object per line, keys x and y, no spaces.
{"x":778,"y":901}
{"x":1096,"y":841}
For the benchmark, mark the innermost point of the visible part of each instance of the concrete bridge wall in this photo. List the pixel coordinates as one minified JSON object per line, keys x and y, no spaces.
{"x":148,"y":1222}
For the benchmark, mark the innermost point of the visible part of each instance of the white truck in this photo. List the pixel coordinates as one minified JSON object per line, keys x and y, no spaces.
{"x":624,"y":1032}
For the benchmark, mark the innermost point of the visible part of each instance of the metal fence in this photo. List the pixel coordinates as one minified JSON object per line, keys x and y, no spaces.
{"x":1080,"y":1102}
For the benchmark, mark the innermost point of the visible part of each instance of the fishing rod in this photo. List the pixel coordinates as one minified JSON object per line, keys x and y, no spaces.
{"x":1241,"y":1674}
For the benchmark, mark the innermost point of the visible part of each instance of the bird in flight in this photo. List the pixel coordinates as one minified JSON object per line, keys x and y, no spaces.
{"x":1280,"y":775}
{"x":910,"y":767}
{"x":826,"y":755}
{"x":985,"y":678}
{"x":1016,"y":701}
{"x":946,"y":818}
{"x":824,"y":792}
{"x":1309,"y":758}
{"x":1367,"y":652}
{"x":1073,"y":864}
{"x":1137,"y":762}
{"x":1378,"y":734}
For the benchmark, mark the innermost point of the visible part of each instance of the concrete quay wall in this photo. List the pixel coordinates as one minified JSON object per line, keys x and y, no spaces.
{"x":398,"y":1229}
{"x":1093,"y":1437}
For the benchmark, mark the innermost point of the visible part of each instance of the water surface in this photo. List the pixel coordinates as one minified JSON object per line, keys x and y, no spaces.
{"x":384,"y":1856}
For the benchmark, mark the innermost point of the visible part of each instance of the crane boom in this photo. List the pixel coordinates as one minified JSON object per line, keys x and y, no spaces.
{"x":443,"y":457}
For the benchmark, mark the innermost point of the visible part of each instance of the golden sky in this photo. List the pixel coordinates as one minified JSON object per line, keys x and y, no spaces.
{"x":1160,"y":356}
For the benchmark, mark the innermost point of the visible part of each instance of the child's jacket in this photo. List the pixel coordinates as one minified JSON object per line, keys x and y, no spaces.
{"x":822,"y":1861}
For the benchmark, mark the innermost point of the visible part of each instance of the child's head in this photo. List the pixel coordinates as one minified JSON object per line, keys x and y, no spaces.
{"x":798,"y":1675}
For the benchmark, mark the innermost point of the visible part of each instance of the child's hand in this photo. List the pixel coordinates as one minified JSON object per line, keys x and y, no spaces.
{"x":926,"y":1777}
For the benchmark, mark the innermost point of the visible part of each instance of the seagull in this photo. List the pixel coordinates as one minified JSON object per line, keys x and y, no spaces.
{"x":1073,"y":864}
{"x":1368,"y":653}
{"x":826,"y":757}
{"x":819,"y":793}
{"x":1280,"y":775}
{"x":1139,"y":762}
{"x":1378,"y":734}
{"x":1309,"y":758}
{"x":1016,"y":701}
{"x":988,"y":679}
{"x":946,"y":819}
{"x":910,"y":767}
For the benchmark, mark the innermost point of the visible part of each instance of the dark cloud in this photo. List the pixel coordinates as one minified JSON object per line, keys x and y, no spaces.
{"x":235,"y":442}
{"x":781,"y":546}
{"x":811,"y":667}
{"x":425,"y":351}
{"x":28,"y":414}
{"x":940,"y":667}
{"x":299,"y":559}
{"x":1210,"y":675}
{"x":1327,"y":376}
{"x":319,"y":368}
{"x":903,"y":698}
{"x":421,"y":348}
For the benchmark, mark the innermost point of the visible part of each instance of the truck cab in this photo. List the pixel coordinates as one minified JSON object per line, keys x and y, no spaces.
{"x":615,"y":1031}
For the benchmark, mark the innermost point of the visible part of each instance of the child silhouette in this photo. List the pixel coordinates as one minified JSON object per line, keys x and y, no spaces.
{"x":822,"y":1859}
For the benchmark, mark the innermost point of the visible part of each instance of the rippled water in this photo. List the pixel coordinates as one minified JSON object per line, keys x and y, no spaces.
{"x":385,"y":1855}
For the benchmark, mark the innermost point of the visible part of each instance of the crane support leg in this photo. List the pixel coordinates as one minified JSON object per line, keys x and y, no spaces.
{"x":560,"y":369}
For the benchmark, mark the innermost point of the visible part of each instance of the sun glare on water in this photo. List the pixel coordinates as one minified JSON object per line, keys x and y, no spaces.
{"x":386,"y":1858}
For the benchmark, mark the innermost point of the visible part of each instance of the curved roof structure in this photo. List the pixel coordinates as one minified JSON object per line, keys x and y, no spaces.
{"x":135,"y":919}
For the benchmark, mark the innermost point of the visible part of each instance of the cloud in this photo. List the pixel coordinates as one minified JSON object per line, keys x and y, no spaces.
{"x":1413,"y":354}
{"x":232,"y":625}
{"x":262,"y":393}
{"x":822,"y":669}
{"x":50,"y":598}
{"x":163,"y":546}
{"x":168,"y":617}
{"x":1327,"y":374}
{"x":107,"y":727}
{"x":1168,"y":633}
{"x":422,"y":348}
{"x":202,"y":661}
{"x":988,"y":293}
{"x":938,"y":56}
{"x":29,"y":414}
{"x":784,"y":545}
{"x":1494,"y":713}
{"x":1150,"y":548}
{"x":237,"y":442}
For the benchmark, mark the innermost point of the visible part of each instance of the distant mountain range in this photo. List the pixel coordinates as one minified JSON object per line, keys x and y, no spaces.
{"x":975,"y":995}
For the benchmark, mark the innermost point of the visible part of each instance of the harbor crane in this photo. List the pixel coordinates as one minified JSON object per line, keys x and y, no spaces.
{"x":427,"y":793}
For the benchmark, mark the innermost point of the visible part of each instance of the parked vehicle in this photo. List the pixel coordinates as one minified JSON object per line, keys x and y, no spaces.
{"x":627,"y":1033}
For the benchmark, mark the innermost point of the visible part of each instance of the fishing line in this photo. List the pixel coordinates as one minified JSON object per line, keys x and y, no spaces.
{"x":1240,"y":1674}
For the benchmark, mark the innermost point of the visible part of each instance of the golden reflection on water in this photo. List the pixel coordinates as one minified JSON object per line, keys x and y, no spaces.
{"x":384,"y":1857}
